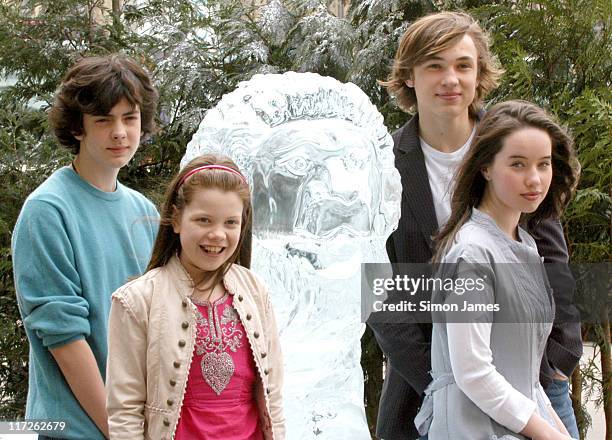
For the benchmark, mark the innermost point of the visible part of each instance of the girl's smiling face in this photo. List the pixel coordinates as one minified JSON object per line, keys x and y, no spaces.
{"x":521,"y":173}
{"x":209,"y":228}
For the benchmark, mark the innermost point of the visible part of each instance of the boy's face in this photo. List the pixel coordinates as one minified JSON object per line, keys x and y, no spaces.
{"x":445,"y":84}
{"x":110,"y":141}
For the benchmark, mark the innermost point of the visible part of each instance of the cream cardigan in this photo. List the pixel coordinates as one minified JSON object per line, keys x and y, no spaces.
{"x":151,"y":338}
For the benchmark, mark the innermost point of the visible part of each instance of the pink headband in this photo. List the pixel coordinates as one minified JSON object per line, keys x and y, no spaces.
{"x":210,"y":167}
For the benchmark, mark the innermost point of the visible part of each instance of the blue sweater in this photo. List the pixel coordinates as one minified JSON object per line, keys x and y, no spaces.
{"x":73,"y":246}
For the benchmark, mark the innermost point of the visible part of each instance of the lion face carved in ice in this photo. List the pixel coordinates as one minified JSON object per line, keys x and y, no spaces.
{"x":325,"y":196}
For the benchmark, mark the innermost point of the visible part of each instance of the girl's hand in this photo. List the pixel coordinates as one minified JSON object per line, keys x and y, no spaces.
{"x":539,"y":429}
{"x":560,"y":426}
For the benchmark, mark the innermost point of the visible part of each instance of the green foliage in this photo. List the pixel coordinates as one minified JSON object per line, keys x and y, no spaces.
{"x":303,"y":36}
{"x":29,"y":155}
{"x":38,"y":50}
{"x":322,"y":43}
{"x":550,"y":65}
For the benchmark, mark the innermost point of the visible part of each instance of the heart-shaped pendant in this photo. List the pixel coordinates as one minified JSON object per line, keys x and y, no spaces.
{"x":217,"y":370}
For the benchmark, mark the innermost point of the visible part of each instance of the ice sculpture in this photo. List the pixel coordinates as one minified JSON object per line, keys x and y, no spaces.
{"x":326,"y":197}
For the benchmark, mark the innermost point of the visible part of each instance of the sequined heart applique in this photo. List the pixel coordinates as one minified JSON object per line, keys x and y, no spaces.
{"x":217,"y":370}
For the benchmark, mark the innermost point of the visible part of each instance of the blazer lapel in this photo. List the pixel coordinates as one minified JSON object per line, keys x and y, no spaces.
{"x":410,"y":163}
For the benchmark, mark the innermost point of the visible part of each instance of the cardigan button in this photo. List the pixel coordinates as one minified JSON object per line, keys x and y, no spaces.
{"x":266,"y":371}
{"x":182,"y":343}
{"x":170,"y":402}
{"x":176,"y":364}
{"x":264,"y":354}
{"x":185,"y":325}
{"x":267,"y":390}
{"x":240,"y":298}
{"x":166,"y":422}
{"x":256,"y":334}
{"x":249,"y":316}
{"x":184,"y":303}
{"x":172,"y":382}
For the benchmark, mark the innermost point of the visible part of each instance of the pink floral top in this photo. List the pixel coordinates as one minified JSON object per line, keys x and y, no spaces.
{"x":219,"y":399}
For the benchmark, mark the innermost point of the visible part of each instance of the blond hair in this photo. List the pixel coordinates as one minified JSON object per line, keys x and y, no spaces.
{"x":431,"y":35}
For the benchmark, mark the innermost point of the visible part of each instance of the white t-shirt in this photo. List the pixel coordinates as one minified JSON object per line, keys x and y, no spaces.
{"x":441,"y":168}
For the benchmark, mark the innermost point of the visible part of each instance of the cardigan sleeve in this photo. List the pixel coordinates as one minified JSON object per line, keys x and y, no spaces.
{"x":126,"y":370}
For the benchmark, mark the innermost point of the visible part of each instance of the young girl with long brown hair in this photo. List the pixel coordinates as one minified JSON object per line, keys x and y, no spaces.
{"x":193,"y":345}
{"x":485,"y":370}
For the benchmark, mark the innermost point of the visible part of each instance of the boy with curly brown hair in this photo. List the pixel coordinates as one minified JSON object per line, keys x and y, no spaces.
{"x":80,"y":235}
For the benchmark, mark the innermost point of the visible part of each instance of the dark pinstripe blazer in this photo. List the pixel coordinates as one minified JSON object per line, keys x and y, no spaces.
{"x":407,"y":346}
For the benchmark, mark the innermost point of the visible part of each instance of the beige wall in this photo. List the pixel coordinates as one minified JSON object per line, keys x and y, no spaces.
{"x":97,"y":13}
{"x":337,"y":7}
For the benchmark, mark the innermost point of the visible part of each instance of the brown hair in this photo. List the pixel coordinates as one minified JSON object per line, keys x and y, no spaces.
{"x":94,"y":85}
{"x":167,"y":244}
{"x":431,"y":35}
{"x":502,"y":120}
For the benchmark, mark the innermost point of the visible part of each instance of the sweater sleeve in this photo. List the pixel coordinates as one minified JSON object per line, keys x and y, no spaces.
{"x":46,"y":278}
